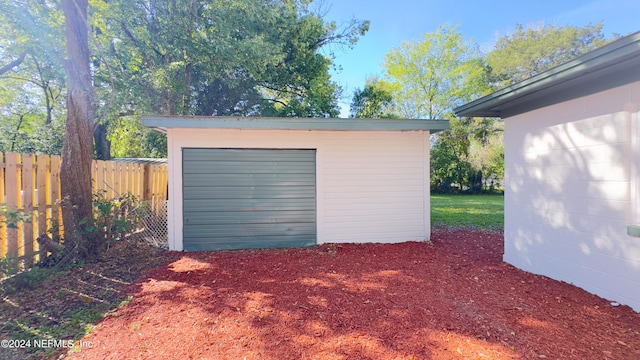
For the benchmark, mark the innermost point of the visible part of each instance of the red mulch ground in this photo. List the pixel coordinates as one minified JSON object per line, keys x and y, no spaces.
{"x":451,"y":299}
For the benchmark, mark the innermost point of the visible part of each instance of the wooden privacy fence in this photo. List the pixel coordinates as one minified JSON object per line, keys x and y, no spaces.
{"x":31,"y":183}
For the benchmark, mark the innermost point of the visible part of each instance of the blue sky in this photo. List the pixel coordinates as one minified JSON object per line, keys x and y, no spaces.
{"x":393,"y":21}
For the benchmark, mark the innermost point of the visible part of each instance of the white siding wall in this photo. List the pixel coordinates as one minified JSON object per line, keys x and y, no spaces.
{"x":372,"y":186}
{"x":571,"y":174}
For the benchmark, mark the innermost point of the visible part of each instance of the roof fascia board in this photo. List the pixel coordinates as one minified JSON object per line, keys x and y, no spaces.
{"x":268,"y":123}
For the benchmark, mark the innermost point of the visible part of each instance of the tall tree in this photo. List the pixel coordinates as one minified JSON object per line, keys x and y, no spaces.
{"x":77,"y":150}
{"x":229,"y":57}
{"x":32,"y":83}
{"x":450,"y":158}
{"x":299,"y":84}
{"x":531,"y":50}
{"x":470,"y":152}
{"x":375,"y":100}
{"x":184,"y":57}
{"x":432,"y":76}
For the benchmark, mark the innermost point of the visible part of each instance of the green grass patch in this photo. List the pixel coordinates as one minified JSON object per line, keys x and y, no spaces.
{"x":482,"y":212}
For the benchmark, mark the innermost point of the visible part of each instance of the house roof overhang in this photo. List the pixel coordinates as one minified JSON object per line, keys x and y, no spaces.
{"x":162,"y":123}
{"x":612,"y":65}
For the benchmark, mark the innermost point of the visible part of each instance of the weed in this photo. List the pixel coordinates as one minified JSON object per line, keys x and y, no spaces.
{"x":10,"y":219}
{"x":28,"y":280}
{"x":9,"y":265}
{"x":79,"y":324}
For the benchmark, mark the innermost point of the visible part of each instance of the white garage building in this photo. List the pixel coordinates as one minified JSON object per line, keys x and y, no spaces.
{"x":572,"y":170}
{"x":252,"y":182}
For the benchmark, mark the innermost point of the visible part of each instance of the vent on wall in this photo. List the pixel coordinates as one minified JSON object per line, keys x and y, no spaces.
{"x":633,"y":230}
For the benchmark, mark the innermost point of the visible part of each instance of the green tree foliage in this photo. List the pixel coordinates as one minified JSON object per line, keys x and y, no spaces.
{"x":472,"y":152}
{"x":488,"y":159}
{"x":374,"y":101}
{"x":31,"y":77}
{"x":449,"y":155}
{"x":298,"y":84}
{"x":230,"y":57}
{"x":195,"y":57}
{"x":131,"y":139}
{"x":165,"y":51}
{"x":532,"y":50}
{"x":470,"y":155}
{"x":516,"y":57}
{"x":26,"y":133}
{"x":431,"y":77}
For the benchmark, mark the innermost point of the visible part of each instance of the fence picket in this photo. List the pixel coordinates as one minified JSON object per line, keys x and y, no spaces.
{"x":29,"y":187}
{"x":43,"y":172}
{"x":99,"y":180}
{"x":3,"y":228}
{"x":56,"y":213}
{"x":11,"y":198}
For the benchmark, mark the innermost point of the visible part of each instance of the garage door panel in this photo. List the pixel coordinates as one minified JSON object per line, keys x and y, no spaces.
{"x":250,"y":155}
{"x":247,"y":204}
{"x":253,"y":217}
{"x":262,"y":242}
{"x":250,"y":192}
{"x":238,"y":198}
{"x":231,"y":180}
{"x":250,"y":230}
{"x":249,"y":167}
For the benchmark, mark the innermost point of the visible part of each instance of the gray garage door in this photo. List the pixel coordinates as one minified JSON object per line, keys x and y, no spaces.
{"x":248,"y":198}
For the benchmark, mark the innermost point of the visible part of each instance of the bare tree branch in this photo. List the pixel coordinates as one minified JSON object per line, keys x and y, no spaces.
{"x":13,"y":64}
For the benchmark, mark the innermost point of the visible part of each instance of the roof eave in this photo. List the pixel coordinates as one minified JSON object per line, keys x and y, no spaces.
{"x":588,"y":65}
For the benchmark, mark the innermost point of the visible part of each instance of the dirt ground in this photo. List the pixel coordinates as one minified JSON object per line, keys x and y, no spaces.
{"x":452,"y":298}
{"x":53,"y":305}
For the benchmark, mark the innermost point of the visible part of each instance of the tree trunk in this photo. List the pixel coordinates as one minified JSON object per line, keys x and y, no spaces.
{"x":103,"y":145}
{"x":186,"y":93}
{"x":77,"y":150}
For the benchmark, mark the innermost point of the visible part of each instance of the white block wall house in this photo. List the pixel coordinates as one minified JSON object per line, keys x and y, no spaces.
{"x":572,"y":170}
{"x":249,"y":182}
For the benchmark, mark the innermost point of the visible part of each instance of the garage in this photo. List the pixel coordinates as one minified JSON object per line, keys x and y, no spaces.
{"x":259,"y":182}
{"x":248,"y":198}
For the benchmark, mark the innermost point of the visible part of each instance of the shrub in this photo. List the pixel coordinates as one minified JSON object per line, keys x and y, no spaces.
{"x":113,"y":219}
